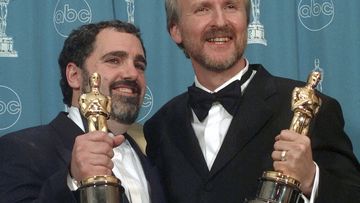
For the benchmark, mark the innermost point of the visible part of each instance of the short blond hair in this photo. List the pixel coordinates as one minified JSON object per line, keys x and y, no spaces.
{"x":172,"y":12}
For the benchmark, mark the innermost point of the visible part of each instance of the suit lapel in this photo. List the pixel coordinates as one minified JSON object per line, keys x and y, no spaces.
{"x":150,"y":171}
{"x":141,"y":156}
{"x":66,"y":132}
{"x":251,"y":116}
{"x":185,"y":138}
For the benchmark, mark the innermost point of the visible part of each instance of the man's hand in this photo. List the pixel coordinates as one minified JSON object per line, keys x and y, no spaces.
{"x":92,"y":154}
{"x":297,"y":161}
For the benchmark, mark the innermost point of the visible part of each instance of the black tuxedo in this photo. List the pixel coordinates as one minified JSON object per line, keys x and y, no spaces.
{"x":34,"y":164}
{"x":264,"y":110}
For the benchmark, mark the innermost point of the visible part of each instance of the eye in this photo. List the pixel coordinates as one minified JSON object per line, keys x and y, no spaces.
{"x":113,"y":60}
{"x":230,"y":6}
{"x":201,"y":10}
{"x":140,"y":66}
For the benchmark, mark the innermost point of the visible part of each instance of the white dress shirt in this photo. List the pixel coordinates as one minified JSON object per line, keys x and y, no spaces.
{"x":127,"y":167}
{"x":212,"y":131}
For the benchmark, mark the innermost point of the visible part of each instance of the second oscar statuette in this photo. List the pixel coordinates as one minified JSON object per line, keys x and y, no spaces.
{"x":96,"y":108}
{"x":275,"y":186}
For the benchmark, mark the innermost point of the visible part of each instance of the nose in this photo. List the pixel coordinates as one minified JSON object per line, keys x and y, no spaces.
{"x":219,"y":17}
{"x":130,"y":72}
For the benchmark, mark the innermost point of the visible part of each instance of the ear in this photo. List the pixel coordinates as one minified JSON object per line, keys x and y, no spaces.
{"x":73,"y":75}
{"x":175,"y":34}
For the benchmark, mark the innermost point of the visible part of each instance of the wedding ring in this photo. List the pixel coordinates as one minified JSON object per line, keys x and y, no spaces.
{"x":283,"y":155}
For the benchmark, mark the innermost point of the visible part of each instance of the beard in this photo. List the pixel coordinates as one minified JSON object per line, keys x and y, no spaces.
{"x":194,"y":49}
{"x":124,"y":109}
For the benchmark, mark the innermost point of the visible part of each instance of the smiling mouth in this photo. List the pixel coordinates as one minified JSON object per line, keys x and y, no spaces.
{"x":219,"y":40}
{"x":125,"y":88}
{"x":219,"y":35}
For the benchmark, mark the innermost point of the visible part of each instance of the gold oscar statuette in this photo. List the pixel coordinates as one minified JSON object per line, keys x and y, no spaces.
{"x":275,"y":186}
{"x":96,"y":107}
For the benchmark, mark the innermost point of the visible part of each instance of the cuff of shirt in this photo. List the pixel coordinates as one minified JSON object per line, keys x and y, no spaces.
{"x":315,"y":187}
{"x":72,"y":183}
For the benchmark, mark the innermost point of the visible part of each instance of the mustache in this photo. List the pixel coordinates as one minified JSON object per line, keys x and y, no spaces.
{"x":126,"y":83}
{"x":224,"y":31}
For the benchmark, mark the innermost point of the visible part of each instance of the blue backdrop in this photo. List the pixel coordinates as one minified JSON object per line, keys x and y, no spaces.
{"x":290,"y":38}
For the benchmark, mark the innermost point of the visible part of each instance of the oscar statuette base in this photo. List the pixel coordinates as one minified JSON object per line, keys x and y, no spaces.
{"x":100,"y":189}
{"x":275,"y":187}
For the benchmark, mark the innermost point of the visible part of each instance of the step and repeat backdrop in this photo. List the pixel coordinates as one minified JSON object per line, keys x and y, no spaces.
{"x":290,"y":38}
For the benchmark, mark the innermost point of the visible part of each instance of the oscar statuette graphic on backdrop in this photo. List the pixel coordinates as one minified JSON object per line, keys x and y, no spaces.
{"x":256,"y":30}
{"x":275,"y":186}
{"x":96,"y":108}
{"x":6,"y":42}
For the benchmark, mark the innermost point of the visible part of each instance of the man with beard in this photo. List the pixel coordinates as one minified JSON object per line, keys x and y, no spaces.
{"x":213,"y":142}
{"x":45,"y":163}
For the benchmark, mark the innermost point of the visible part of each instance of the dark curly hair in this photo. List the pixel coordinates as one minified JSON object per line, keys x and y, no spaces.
{"x":80,"y":44}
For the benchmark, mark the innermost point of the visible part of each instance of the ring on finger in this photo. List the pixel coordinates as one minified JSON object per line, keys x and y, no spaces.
{"x":283,"y":155}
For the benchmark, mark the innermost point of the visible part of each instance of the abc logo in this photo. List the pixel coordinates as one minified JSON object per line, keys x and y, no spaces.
{"x":315,"y":15}
{"x":147,"y":105}
{"x":10,"y":107}
{"x":71,"y":14}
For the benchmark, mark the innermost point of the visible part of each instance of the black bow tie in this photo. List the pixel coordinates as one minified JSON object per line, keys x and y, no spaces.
{"x":201,"y":101}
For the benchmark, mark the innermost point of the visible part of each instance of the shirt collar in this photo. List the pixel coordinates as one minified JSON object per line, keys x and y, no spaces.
{"x":235,"y":77}
{"x":74,"y":115}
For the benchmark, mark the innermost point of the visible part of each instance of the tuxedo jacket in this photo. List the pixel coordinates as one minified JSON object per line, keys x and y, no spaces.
{"x":34,"y":164}
{"x":264,"y":110}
